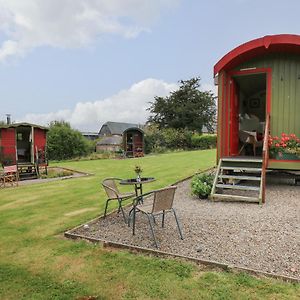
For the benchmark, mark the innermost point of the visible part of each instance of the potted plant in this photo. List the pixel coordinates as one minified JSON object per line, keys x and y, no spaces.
{"x":202,"y":184}
{"x":138,"y":170}
{"x":287,"y":146}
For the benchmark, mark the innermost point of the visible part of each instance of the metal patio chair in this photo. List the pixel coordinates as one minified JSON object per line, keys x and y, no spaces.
{"x":162,"y":203}
{"x":113,"y":193}
{"x":11,"y":175}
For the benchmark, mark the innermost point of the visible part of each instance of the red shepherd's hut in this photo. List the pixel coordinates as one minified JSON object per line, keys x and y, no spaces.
{"x":24,"y":145}
{"x":258,"y":103}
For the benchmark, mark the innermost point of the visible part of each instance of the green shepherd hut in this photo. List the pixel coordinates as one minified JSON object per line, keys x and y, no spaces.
{"x":258,"y":115}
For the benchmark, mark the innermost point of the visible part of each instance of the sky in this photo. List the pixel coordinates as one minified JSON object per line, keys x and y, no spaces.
{"x":92,"y":61}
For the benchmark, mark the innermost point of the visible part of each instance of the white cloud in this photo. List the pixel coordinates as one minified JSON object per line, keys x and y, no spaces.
{"x":27,"y":24}
{"x":209,"y":87}
{"x":126,"y":106}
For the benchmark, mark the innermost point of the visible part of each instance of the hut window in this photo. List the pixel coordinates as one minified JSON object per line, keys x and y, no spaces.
{"x":20,"y":136}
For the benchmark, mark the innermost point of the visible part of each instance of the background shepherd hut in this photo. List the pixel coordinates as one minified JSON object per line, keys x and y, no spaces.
{"x":24,"y":145}
{"x":117,"y":136}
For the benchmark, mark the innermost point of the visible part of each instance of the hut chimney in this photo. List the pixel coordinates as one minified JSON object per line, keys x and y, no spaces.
{"x":8,"y":119}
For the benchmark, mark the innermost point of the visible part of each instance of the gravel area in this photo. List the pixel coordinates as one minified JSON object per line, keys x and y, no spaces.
{"x":264,"y":238}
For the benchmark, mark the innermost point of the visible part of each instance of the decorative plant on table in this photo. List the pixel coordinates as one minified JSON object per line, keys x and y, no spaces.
{"x":138,"y":170}
{"x":285,"y":144}
{"x":202,"y":184}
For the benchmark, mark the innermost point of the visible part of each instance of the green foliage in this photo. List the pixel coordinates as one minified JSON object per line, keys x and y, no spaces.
{"x":187,"y":108}
{"x":205,"y":141}
{"x":63,"y":142}
{"x":54,"y":173}
{"x":202,"y":184}
{"x":160,"y":140}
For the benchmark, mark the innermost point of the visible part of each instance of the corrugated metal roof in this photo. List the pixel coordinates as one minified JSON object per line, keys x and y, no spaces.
{"x":14,"y":125}
{"x":111,"y":140}
{"x":119,"y":128}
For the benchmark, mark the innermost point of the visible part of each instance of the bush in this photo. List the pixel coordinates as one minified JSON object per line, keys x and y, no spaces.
{"x":161,"y":140}
{"x":63,"y":142}
{"x":205,"y":141}
{"x":202,"y":184}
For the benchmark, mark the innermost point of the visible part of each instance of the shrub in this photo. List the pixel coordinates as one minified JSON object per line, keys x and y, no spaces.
{"x":202,"y":184}
{"x":161,"y":140}
{"x":63,"y":142}
{"x":205,"y":141}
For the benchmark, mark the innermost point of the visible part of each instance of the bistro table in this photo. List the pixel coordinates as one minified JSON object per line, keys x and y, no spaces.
{"x":138,"y":187}
{"x":138,"y":183}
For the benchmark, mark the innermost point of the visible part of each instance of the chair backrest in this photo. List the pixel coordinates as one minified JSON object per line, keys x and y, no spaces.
{"x":10,"y":169}
{"x":110,"y":187}
{"x":163,"y":199}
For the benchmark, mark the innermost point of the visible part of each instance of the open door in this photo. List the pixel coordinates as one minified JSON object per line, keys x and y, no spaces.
{"x":234,"y":119}
{"x":248,"y":106}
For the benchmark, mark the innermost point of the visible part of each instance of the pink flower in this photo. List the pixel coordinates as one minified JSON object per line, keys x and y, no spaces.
{"x":277,"y":145}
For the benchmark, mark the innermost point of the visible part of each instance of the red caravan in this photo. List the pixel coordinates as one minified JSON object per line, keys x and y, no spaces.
{"x":23,"y":143}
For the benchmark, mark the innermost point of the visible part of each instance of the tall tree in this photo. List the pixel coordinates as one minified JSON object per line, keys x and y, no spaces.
{"x":186,"y":108}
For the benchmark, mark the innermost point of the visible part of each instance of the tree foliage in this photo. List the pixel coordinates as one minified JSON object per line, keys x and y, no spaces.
{"x":63,"y":142}
{"x":186,"y":108}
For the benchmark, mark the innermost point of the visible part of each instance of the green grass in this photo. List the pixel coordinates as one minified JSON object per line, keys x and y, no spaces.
{"x":36,"y":262}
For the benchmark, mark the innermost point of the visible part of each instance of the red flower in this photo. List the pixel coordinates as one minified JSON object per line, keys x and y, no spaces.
{"x":277,"y":145}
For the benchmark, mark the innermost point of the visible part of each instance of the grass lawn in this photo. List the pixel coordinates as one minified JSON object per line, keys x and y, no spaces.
{"x":36,"y":262}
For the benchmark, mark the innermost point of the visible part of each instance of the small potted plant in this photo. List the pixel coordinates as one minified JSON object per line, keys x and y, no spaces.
{"x":202,"y":184}
{"x":138,"y":170}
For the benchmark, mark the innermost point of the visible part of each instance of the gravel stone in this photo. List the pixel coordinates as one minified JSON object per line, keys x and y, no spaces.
{"x":264,"y":238}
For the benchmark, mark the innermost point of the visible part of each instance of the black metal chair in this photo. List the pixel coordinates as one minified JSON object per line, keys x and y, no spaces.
{"x":111,"y":189}
{"x":162,"y":203}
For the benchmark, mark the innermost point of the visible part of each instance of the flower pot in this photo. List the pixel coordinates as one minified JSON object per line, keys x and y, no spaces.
{"x":287,"y":156}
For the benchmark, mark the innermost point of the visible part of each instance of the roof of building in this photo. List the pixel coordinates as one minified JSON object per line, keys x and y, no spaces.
{"x":90,"y":133}
{"x":111,"y":140}
{"x":260,"y":46}
{"x":119,"y":128}
{"x":24,"y":124}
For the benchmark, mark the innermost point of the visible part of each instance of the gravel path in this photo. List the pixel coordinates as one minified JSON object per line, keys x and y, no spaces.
{"x":265,"y":238}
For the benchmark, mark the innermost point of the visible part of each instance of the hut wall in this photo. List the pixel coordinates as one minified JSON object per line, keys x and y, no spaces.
{"x":285,"y":93}
{"x":40,"y":140}
{"x":108,"y":148}
{"x":8,"y":145}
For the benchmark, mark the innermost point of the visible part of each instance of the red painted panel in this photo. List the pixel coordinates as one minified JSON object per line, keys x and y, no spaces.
{"x":39,"y":139}
{"x":234,"y":120}
{"x":8,"y":143}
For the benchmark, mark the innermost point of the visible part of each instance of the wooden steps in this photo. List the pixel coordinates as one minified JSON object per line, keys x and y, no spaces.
{"x":238,"y":179}
{"x":27,"y":171}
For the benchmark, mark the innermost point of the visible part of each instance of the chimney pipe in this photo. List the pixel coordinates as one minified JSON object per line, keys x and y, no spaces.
{"x":8,"y":119}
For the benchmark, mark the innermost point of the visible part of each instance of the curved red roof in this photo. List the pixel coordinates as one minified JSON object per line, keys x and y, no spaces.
{"x":260,"y":46}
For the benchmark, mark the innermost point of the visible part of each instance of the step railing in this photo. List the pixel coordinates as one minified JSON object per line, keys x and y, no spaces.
{"x":265,"y":157}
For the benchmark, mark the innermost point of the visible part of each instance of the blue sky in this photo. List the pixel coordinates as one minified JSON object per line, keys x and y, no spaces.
{"x":90,"y":61}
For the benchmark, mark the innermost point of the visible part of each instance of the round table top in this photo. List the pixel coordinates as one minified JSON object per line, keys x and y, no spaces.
{"x":135,"y":180}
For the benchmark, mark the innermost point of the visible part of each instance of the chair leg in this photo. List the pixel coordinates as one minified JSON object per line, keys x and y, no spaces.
{"x":153,"y":218}
{"x":163,"y":220}
{"x":106,"y":208}
{"x":133,"y":221}
{"x":178,"y":225}
{"x":122,"y":210}
{"x":152,"y":231}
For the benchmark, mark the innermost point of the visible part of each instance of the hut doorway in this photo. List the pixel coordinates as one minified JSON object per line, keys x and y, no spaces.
{"x":248,"y":102}
{"x":24,"y":144}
